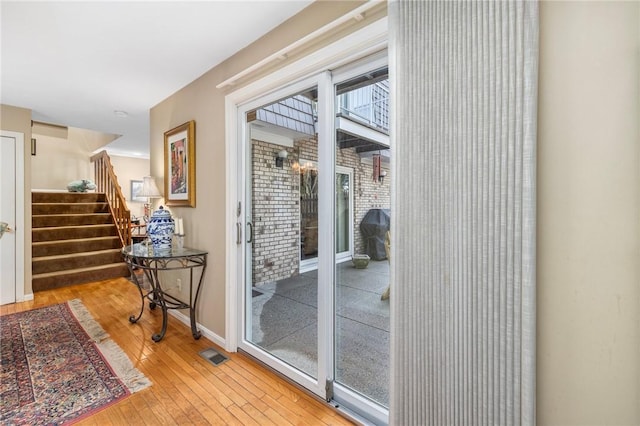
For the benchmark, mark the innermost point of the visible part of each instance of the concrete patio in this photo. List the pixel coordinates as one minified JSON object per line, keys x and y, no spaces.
{"x":285,"y":323}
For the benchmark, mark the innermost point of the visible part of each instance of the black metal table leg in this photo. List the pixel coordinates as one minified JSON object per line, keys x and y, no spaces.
{"x":151,"y":262}
{"x":133,"y":319}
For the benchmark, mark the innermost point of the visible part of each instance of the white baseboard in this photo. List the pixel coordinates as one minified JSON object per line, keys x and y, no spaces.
{"x":205,"y":331}
{"x":26,"y":297}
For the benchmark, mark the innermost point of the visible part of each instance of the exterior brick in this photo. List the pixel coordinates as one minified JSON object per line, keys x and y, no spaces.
{"x":277,"y":204}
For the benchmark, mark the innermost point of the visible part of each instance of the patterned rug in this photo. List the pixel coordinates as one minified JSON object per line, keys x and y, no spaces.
{"x":59,"y":366}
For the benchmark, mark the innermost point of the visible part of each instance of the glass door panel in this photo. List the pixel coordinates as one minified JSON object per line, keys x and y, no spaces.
{"x":361,"y":313}
{"x":281,"y":299}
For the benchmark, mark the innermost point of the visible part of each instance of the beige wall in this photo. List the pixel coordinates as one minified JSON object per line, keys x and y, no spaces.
{"x":202,"y":102}
{"x":588,"y":214}
{"x":19,"y":120}
{"x":62,"y":157}
{"x":128,"y":169}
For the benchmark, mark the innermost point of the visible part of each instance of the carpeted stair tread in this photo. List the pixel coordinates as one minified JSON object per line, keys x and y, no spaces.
{"x":67,"y":197}
{"x":84,"y":254}
{"x":67,"y":262}
{"x":77,"y":245}
{"x":88,"y":268}
{"x":55,"y":220}
{"x":70,"y":232}
{"x":53,"y":280}
{"x":61,"y":208}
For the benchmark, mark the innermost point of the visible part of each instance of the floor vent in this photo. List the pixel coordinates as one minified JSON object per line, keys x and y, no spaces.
{"x":213,"y":356}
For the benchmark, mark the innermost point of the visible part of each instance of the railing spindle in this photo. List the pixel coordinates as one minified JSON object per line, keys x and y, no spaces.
{"x":107,"y":183}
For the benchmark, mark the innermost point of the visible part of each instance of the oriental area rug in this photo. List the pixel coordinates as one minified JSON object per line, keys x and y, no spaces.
{"x":59,"y":366}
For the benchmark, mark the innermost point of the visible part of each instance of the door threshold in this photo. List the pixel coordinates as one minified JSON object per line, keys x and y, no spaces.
{"x":343,"y":412}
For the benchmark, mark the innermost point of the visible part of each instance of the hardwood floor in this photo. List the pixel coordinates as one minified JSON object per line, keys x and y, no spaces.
{"x":186,"y":389}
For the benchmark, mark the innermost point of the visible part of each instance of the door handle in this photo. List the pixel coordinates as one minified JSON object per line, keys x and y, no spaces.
{"x":250,"y":225}
{"x":4,"y":227}
{"x":238,"y":233}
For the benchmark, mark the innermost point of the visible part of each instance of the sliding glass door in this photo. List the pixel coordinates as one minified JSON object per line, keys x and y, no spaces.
{"x":361,"y":313}
{"x":316,"y":195}
{"x":280,"y":302}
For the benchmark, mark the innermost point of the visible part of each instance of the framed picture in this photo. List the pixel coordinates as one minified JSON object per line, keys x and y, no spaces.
{"x":136,"y":187}
{"x":180,"y":165}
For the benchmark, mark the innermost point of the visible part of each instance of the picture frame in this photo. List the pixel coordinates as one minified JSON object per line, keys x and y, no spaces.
{"x":136,"y":187}
{"x":180,"y":165}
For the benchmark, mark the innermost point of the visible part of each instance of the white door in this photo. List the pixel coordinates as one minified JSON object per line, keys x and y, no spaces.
{"x":8,"y":220}
{"x":12,"y":213}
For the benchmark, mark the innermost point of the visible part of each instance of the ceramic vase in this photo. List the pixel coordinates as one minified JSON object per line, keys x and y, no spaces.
{"x":160,"y":230}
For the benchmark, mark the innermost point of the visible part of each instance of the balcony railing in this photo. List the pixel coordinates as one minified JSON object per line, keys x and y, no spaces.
{"x":369,"y":104}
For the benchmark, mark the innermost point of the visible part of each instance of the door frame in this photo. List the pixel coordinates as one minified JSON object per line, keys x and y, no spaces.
{"x":19,"y":214}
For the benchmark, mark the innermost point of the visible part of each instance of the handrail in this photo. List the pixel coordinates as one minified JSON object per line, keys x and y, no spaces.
{"x":107,"y":182}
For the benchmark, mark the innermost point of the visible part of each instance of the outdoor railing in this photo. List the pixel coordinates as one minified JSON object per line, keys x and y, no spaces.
{"x":107,"y":182}
{"x":369,"y":104}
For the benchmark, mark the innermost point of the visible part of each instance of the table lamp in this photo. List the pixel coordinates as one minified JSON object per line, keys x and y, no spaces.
{"x":149,"y":190}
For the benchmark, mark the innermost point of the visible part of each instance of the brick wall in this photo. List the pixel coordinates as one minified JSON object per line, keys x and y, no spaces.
{"x":276,"y":214}
{"x":276,"y":204}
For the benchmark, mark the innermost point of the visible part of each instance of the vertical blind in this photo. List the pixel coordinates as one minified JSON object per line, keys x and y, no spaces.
{"x":464,"y":96}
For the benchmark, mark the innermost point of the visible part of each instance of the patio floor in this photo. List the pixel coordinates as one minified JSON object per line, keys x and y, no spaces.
{"x":285,"y":323}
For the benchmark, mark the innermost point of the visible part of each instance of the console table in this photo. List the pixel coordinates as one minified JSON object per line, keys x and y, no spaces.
{"x":142,"y":256}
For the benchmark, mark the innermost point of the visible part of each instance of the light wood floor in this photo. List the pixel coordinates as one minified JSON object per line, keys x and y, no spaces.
{"x":186,"y":389}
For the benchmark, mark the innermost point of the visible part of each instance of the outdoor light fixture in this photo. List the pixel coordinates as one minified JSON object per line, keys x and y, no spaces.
{"x":282,"y":155}
{"x":381,"y":176}
{"x":149,"y":190}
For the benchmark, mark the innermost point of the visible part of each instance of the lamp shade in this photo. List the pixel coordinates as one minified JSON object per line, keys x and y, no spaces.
{"x":149,"y":188}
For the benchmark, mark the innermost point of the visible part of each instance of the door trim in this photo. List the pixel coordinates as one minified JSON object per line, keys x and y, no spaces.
{"x":20,"y":212}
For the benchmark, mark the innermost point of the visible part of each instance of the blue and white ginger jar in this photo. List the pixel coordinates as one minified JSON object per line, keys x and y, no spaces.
{"x":160,"y":230}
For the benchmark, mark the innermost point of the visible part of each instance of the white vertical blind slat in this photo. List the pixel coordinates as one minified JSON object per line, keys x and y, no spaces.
{"x":463,"y":84}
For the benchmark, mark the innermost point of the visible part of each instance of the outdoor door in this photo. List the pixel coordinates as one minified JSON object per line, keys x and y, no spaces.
{"x":308,"y":178}
{"x":8,"y":219}
{"x":281,"y":301}
{"x":344,"y":213}
{"x":308,"y":172}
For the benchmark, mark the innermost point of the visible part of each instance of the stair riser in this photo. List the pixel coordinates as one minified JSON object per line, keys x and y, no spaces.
{"x":52,"y":234}
{"x":67,"y":197}
{"x":41,"y":266}
{"x":55,"y":248}
{"x":49,"y":283}
{"x":43,"y":209}
{"x":71,"y":220}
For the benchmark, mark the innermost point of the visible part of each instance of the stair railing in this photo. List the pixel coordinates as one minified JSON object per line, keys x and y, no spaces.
{"x":106,"y":181}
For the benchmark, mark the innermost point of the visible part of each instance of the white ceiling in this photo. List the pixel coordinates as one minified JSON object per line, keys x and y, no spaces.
{"x":75,"y":63}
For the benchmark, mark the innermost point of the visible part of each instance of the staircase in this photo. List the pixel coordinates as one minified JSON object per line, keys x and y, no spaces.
{"x":74,"y":240}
